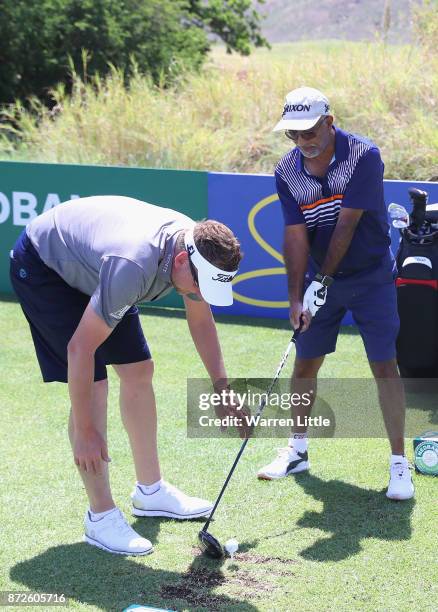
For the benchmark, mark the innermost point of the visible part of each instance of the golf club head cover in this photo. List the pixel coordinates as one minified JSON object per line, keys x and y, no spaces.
{"x":314,"y":297}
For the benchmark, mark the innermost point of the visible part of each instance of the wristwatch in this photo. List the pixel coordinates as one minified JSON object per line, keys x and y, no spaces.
{"x":323,"y":279}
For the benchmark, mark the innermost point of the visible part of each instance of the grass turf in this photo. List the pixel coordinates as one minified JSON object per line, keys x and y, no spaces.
{"x":322,"y":541}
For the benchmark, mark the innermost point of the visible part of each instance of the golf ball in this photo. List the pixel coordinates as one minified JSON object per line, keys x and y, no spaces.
{"x":231,"y":546}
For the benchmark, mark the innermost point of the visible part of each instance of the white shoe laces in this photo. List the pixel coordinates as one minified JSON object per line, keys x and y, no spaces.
{"x":282,"y":453}
{"x":174,"y":491}
{"x":121,"y":525}
{"x":398,"y":470}
{"x":169,"y":488}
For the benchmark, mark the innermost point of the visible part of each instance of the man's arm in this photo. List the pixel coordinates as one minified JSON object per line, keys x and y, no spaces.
{"x":364,"y":192}
{"x":341,"y":239}
{"x":295,"y":251}
{"x":203,"y":331}
{"x":89,"y":447}
{"x":296,"y":255}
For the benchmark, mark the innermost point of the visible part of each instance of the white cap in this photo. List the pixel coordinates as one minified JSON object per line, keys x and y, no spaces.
{"x":302,"y":109}
{"x":214,"y":283}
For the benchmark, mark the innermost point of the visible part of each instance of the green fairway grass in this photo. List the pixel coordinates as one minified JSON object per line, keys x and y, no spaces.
{"x":327,"y":540}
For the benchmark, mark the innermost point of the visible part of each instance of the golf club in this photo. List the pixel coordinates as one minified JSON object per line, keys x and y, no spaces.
{"x":207,"y":542}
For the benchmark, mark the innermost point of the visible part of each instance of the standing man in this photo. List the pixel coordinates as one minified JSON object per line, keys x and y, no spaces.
{"x":338,"y":258}
{"x":78,"y":271}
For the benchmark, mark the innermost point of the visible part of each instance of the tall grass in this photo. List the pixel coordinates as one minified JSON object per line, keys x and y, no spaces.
{"x":222,"y":119}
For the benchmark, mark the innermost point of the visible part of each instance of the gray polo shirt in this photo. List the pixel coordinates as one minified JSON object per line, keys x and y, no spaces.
{"x":115,"y":249}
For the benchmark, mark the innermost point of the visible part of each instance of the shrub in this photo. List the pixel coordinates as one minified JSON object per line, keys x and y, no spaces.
{"x":222,"y":119}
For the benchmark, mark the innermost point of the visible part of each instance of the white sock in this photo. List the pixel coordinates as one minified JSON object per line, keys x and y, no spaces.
{"x":149,"y":489}
{"x":299,"y":442}
{"x":96,"y":516}
{"x":398,"y":459}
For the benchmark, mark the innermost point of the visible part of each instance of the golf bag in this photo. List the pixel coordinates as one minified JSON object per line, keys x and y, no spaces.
{"x":417,"y":291}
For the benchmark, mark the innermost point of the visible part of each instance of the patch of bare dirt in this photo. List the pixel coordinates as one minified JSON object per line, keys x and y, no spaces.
{"x":259,"y":559}
{"x":247,"y":557}
{"x":196,"y":585}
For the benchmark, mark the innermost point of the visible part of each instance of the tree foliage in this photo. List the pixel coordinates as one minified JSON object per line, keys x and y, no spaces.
{"x":425,"y":24}
{"x":236,"y":22}
{"x":40,"y":40}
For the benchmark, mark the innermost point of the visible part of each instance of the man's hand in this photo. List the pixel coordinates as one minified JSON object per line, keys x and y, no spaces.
{"x":314,"y":297}
{"x":239,"y":416}
{"x":89,"y":450}
{"x":298,"y":316}
{"x":230,"y":408}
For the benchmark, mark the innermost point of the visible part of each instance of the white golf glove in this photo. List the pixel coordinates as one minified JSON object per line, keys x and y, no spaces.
{"x":315,"y":297}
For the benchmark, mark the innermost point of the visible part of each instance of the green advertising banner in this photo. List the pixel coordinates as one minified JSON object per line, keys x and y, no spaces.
{"x":27,"y":190}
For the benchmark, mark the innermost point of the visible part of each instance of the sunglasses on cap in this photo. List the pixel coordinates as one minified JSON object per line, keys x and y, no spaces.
{"x":305,"y":134}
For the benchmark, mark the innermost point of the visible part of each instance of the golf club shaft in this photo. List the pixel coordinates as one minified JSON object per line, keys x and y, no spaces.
{"x":259,"y":411}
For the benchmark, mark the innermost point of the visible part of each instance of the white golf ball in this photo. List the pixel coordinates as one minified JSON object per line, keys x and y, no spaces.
{"x":231,"y":546}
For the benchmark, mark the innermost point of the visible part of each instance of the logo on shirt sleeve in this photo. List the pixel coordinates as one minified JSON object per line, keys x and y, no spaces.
{"x":118,"y":314}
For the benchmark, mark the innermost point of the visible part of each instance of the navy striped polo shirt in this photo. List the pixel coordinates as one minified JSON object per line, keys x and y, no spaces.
{"x":354,"y":179}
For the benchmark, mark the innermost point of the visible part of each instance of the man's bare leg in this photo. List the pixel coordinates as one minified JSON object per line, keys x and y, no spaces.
{"x":139,"y":416}
{"x":304,"y":380}
{"x":97,"y":486}
{"x":294,"y":459}
{"x":392,"y":402}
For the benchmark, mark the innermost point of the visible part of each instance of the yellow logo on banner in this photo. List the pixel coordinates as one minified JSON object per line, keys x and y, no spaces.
{"x":262,"y":271}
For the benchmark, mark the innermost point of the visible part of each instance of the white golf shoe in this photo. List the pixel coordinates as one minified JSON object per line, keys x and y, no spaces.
{"x":169,"y":501}
{"x":400,"y":481}
{"x":288,"y":461}
{"x":114,"y":534}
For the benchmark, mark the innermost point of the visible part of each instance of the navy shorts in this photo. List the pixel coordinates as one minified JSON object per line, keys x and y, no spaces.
{"x":372,"y":299}
{"x":53,"y":310}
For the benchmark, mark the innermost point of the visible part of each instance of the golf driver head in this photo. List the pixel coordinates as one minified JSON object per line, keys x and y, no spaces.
{"x":209,"y":545}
